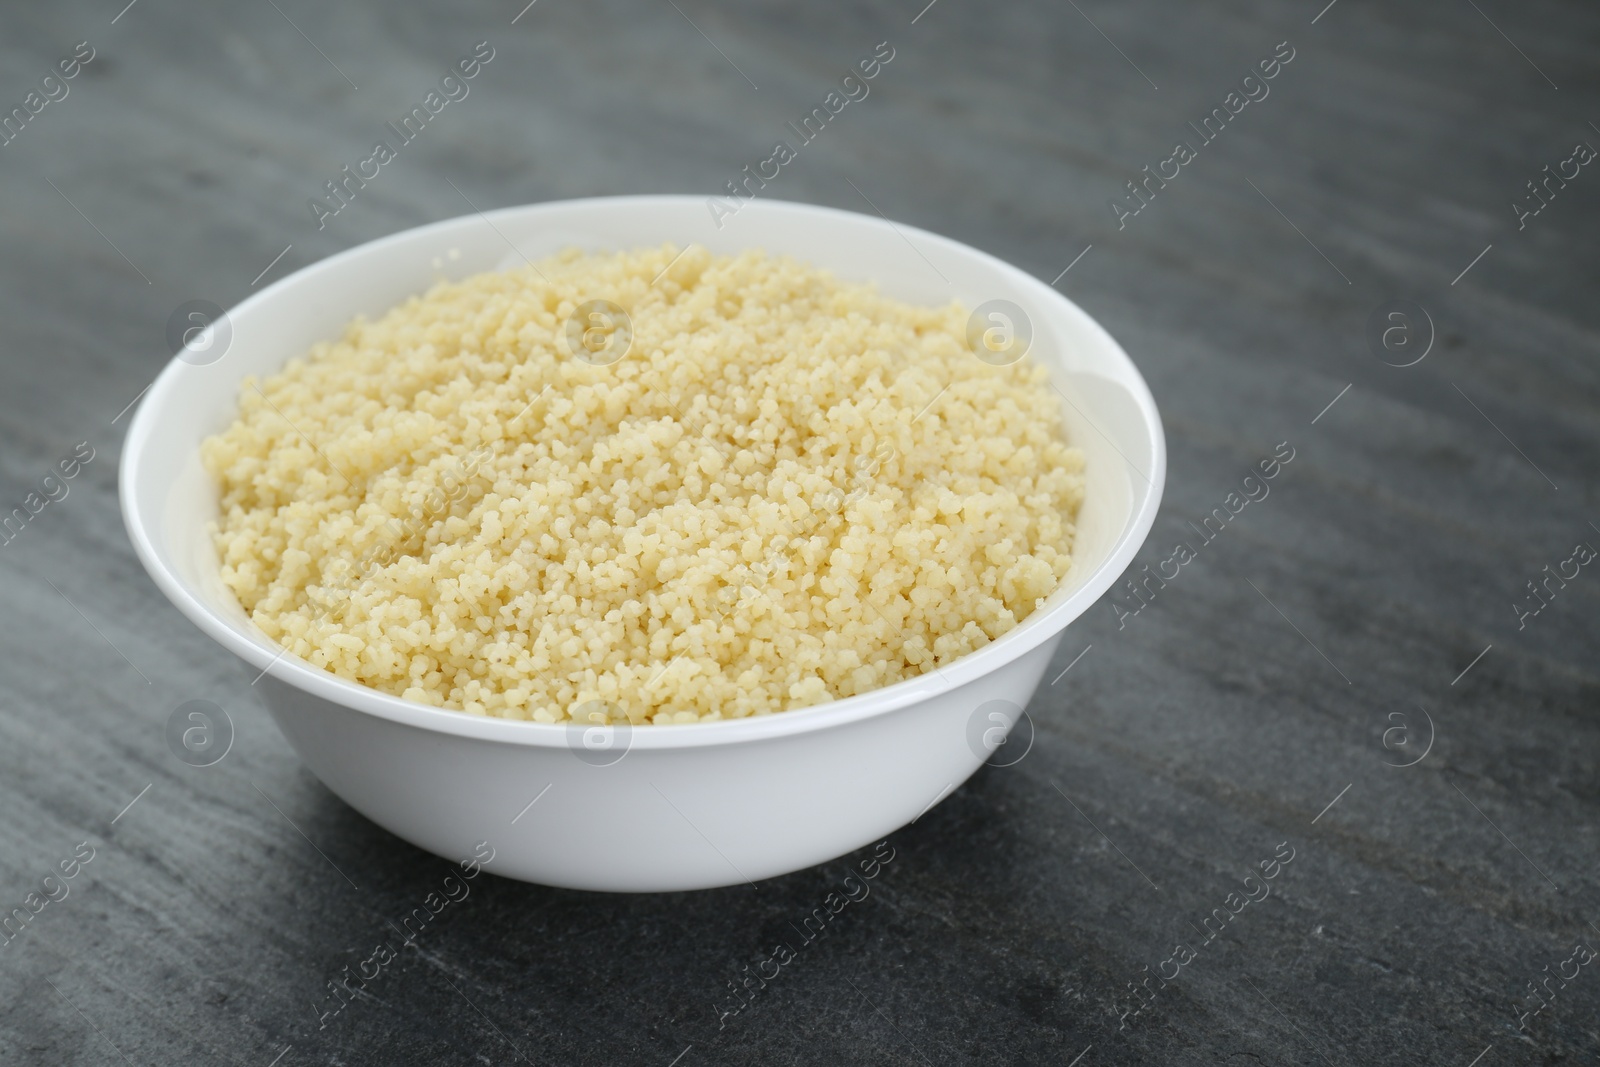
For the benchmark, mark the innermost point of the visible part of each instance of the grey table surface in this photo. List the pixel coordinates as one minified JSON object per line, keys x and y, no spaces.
{"x":1344,"y":671}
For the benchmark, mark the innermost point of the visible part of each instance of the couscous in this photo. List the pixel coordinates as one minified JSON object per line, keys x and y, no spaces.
{"x":756,"y":488}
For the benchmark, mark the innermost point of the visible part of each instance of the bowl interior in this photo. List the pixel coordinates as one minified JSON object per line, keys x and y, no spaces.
{"x":168,"y":498}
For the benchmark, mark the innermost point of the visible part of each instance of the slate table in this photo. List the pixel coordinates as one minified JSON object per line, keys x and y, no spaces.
{"x":1349,"y":263}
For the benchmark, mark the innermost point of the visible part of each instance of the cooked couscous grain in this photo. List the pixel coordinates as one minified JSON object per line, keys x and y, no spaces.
{"x":790,"y":489}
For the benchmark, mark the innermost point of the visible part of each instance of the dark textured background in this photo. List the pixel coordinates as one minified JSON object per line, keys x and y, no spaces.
{"x":1417,"y":909}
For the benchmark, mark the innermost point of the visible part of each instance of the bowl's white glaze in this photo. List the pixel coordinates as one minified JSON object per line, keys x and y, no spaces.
{"x":686,"y":807}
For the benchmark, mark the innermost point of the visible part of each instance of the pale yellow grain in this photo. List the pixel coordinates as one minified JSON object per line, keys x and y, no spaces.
{"x":746,"y":514}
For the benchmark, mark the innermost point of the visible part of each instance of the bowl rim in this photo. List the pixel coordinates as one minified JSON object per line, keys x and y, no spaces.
{"x":290,"y":669}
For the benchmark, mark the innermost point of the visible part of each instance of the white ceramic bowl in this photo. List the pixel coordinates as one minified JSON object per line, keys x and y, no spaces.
{"x":686,"y":807}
